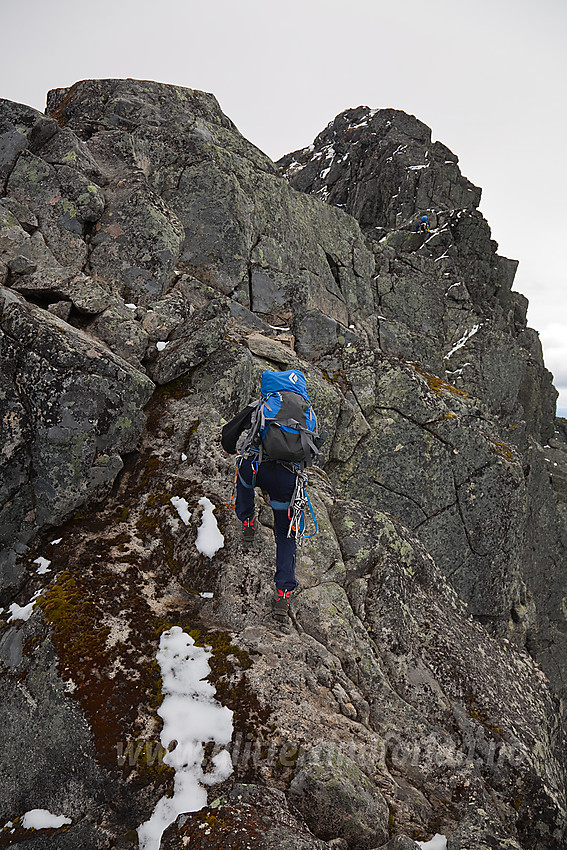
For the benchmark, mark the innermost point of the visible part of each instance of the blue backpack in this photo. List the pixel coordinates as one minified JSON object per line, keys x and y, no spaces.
{"x":284,"y":425}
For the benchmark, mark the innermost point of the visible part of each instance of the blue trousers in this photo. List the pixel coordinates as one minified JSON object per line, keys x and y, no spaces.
{"x":280,"y":484}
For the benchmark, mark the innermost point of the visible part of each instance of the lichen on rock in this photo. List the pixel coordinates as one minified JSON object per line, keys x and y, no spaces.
{"x":153,"y":263}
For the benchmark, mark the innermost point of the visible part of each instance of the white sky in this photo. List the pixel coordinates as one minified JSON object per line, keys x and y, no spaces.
{"x":487,"y":76}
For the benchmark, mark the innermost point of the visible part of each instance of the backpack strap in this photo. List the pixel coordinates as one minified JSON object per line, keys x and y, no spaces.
{"x":308,"y":446}
{"x":254,"y":427}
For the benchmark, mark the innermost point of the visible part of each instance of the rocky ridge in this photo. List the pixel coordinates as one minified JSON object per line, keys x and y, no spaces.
{"x":152,"y":263}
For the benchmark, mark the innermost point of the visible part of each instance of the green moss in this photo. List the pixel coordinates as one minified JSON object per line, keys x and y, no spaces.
{"x":190,"y":433}
{"x":150,"y":467}
{"x":177,"y":389}
{"x":147,"y":525}
{"x":80,"y":640}
{"x":122,"y":514}
{"x":155,"y":500}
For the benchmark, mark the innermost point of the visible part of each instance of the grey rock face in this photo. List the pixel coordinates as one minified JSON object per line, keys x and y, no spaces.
{"x":70,"y":410}
{"x":20,"y":127}
{"x":71,"y":779}
{"x":443,"y":299}
{"x":400,"y":842}
{"x":154,"y":263}
{"x":254,"y":813}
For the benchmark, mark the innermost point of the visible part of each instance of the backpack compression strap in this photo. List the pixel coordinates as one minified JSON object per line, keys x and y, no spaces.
{"x":255,"y":425}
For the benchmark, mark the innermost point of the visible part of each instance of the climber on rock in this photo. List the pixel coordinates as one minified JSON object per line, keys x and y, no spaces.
{"x":423,"y":225}
{"x":282,"y":439}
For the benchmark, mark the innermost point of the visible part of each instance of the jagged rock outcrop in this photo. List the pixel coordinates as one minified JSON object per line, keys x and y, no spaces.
{"x":153,"y":263}
{"x":381,"y":166}
{"x":444,"y":299}
{"x":70,"y":410}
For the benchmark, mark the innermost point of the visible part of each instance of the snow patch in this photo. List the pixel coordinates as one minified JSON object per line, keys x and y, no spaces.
{"x":293,"y":168}
{"x":43,"y":566}
{"x":42,"y":819}
{"x":463,"y":340}
{"x":191,"y":716}
{"x":182,"y":507}
{"x":23,"y":612}
{"x":438,"y":842}
{"x":363,"y":123}
{"x":209,"y":538}
{"x":161,"y":345}
{"x":453,"y":285}
{"x":398,"y":150}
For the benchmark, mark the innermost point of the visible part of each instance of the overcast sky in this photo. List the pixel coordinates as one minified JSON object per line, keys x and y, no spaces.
{"x":489,"y":78}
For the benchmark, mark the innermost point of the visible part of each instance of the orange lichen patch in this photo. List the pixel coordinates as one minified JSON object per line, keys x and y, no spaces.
{"x":57,"y":113}
{"x":114,"y":230}
{"x":503,"y":450}
{"x":438,"y":385}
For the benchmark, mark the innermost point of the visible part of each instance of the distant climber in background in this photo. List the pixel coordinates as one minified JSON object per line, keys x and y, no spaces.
{"x":282,"y":440}
{"x":423,"y":225}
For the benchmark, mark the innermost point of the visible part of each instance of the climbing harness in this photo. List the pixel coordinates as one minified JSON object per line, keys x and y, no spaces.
{"x":296,"y":512}
{"x":298,"y":507}
{"x":231,"y":504}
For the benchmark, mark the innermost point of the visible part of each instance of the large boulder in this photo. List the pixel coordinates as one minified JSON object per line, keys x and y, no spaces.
{"x":70,"y":410}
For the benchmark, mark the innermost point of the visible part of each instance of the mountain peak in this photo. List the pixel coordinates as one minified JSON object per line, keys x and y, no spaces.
{"x":381,"y":167}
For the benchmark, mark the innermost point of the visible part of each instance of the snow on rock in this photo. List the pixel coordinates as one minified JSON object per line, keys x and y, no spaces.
{"x":438,"y":842}
{"x":181,"y":506}
{"x":209,"y":538}
{"x":464,"y":339}
{"x":42,"y":819}
{"x":191,"y":717}
{"x":43,"y":566}
{"x":23,"y":612}
{"x":161,"y":345}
